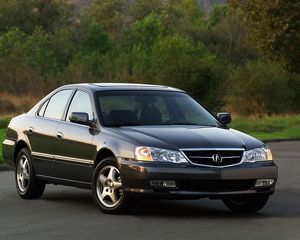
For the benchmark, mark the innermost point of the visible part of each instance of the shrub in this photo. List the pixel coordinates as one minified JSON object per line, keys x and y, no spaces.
{"x":260,"y":88}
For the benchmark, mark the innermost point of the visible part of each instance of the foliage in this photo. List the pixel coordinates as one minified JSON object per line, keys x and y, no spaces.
{"x":275,"y":28}
{"x":44,"y":44}
{"x":109,"y":14}
{"x":31,"y":14}
{"x":260,"y":88}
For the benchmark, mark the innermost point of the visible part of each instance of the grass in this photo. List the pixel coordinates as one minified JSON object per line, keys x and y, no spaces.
{"x":267,"y":128}
{"x":3,"y":124}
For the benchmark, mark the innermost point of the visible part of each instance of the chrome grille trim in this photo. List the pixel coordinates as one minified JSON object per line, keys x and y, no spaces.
{"x":212,"y":149}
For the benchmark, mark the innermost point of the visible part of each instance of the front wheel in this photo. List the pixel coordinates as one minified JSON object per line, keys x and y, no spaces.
{"x":28,"y":186}
{"x":246,"y":204}
{"x":107,"y":188}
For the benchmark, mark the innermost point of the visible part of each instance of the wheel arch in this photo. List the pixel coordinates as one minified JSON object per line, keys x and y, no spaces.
{"x":102,"y":154}
{"x":20,"y":144}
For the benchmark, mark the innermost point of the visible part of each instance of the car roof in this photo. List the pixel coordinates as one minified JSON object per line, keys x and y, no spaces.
{"x":122,"y":86}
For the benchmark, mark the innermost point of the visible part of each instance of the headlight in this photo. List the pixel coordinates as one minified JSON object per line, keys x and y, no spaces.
{"x":257,"y":154}
{"x":158,"y":155}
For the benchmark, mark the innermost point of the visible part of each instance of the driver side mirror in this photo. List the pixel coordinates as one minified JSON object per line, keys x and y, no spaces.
{"x":80,"y":118}
{"x":224,"y":117}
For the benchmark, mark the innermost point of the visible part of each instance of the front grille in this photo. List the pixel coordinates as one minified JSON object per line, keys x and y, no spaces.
{"x":216,"y":185}
{"x":205,"y":157}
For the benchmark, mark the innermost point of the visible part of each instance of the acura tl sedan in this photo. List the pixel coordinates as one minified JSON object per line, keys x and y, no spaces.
{"x":130,"y":141}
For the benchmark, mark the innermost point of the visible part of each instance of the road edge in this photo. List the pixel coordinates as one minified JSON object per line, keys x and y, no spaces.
{"x":3,"y":168}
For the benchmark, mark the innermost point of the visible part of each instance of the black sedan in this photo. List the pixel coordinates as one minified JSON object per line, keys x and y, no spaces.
{"x":127,"y":141}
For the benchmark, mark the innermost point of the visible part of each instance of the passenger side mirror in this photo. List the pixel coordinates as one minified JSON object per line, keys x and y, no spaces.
{"x":80,"y":118}
{"x":224,"y":117}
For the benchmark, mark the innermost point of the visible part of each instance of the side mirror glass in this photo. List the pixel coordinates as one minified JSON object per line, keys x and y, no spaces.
{"x":80,"y":118}
{"x":224,"y":117}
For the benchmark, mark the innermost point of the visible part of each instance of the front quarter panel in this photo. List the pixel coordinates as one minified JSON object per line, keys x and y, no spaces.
{"x":121,"y":147}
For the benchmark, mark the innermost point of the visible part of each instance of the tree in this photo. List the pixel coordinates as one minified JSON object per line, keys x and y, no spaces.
{"x":110,"y":14}
{"x":183,"y":16}
{"x":227,"y":35}
{"x":144,"y":32}
{"x":178,"y":62}
{"x":31,"y":14}
{"x":138,"y":10}
{"x":275,"y":28}
{"x":260,"y":88}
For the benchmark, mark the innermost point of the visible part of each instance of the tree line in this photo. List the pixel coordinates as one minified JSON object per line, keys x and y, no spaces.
{"x":243,"y":56}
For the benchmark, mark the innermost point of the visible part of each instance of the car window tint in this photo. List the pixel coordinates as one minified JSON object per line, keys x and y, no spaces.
{"x":81,"y":103}
{"x":133,"y":109}
{"x":162,"y":106}
{"x":125,"y":108}
{"x":42,"y":109}
{"x":57,"y":104}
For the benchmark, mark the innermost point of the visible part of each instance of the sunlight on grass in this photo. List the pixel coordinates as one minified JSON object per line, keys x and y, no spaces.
{"x":269,"y":128}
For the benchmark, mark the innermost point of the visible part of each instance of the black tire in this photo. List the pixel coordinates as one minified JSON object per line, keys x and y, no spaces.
{"x":33,"y":187}
{"x":246,"y":204}
{"x":124,"y":201}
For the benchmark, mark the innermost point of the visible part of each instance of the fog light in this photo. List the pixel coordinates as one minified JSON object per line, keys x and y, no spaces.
{"x":163,"y":183}
{"x":264,"y":182}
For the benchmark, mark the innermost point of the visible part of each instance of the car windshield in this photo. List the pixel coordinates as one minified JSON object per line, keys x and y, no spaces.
{"x":130,"y":108}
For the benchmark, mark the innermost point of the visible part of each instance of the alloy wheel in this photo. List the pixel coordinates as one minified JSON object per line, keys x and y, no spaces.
{"x":23,"y":173}
{"x":109,"y":186}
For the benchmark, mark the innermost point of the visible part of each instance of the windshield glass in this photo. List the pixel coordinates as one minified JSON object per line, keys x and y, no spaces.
{"x":129,"y":108}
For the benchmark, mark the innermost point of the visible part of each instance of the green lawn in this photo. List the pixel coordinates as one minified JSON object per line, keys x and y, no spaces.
{"x":2,"y":134}
{"x":267,"y":128}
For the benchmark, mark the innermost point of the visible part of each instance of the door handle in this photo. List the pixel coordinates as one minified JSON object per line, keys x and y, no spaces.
{"x":59,"y":135}
{"x":31,"y":130}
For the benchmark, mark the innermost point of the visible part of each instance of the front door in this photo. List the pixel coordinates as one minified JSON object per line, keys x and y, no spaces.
{"x":74,"y":148}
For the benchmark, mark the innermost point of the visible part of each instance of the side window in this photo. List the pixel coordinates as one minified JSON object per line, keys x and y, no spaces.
{"x":81,"y":103}
{"x":42,"y":109}
{"x":57,"y":104}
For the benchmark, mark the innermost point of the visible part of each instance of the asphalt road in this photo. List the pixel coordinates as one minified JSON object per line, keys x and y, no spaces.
{"x":69,"y":213}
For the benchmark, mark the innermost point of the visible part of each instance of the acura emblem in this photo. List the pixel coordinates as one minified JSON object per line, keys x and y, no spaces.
{"x":217,"y":158}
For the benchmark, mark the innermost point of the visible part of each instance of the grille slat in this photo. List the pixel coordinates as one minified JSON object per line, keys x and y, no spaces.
{"x":205,"y":157}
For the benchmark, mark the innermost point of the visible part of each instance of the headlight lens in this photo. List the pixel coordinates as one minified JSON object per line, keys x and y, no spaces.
{"x":158,"y":155}
{"x":257,"y":154}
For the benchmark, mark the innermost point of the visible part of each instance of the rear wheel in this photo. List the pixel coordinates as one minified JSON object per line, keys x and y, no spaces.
{"x":28,"y":186}
{"x":107,"y":188}
{"x":246,"y":204}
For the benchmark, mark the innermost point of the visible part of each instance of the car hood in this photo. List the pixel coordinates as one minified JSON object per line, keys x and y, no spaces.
{"x":178,"y":137}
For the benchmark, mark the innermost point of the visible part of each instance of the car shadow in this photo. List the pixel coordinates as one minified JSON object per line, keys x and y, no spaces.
{"x":202,"y":208}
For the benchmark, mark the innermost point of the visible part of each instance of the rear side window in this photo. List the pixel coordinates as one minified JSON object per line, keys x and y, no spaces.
{"x":42,"y":109}
{"x":81,"y":103}
{"x":57,"y":104}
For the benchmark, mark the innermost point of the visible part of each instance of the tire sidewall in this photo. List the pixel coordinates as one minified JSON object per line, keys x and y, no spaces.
{"x":250,"y":205}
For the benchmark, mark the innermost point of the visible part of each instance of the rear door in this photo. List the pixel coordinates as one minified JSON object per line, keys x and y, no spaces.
{"x":41,"y":132}
{"x":74,"y":148}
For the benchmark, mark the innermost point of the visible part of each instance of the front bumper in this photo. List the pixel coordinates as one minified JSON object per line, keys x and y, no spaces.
{"x":194,"y":181}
